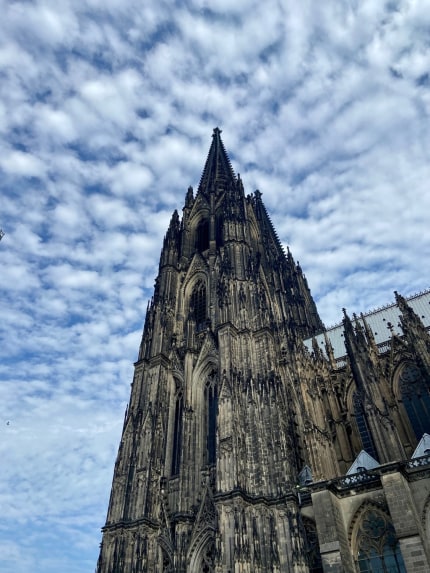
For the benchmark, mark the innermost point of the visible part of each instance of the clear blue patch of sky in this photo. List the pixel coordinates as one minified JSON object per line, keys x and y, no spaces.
{"x":142,"y":113}
{"x":28,"y":184}
{"x":21,"y":138}
{"x":395,"y":73}
{"x":101,"y":60}
{"x":84,"y":152}
{"x":423,"y":80}
{"x":210,"y":120}
{"x":269,"y":51}
{"x":164,"y":33}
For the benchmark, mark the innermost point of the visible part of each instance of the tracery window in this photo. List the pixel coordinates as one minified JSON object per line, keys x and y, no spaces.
{"x":208,"y":558}
{"x":363,"y":427}
{"x":378,"y":548}
{"x":167,"y":563}
{"x":177,"y":434}
{"x":198,"y":305}
{"x":416,"y":398}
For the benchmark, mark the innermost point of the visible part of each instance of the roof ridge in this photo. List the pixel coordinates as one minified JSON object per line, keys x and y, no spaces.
{"x":382,"y":307}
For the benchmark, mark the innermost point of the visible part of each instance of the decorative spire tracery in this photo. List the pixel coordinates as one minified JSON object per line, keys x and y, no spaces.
{"x":218,"y":172}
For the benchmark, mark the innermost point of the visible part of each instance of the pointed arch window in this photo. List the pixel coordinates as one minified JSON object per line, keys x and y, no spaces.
{"x":363,"y":427}
{"x":167,"y":562}
{"x":202,"y":236}
{"x":177,"y":434}
{"x":415,"y":392}
{"x":211,"y":406}
{"x":219,"y":231}
{"x":198,"y":305}
{"x":208,"y":558}
{"x":378,"y":549}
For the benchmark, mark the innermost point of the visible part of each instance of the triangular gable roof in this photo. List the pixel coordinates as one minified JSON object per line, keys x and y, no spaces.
{"x":197,"y":264}
{"x":363,"y":460}
{"x":208,"y":349}
{"x":423,"y":445}
{"x":305,"y":476}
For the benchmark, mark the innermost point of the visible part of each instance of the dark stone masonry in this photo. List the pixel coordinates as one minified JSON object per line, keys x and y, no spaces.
{"x":256,"y":440}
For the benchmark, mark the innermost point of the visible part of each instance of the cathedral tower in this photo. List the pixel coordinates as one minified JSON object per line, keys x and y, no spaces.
{"x":256,"y":441}
{"x":210,"y":450}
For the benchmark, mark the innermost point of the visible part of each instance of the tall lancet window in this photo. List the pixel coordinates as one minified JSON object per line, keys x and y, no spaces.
{"x":416,"y":398}
{"x":211,"y":404}
{"x":177,"y":434}
{"x":198,"y":305}
{"x":219,"y":227}
{"x":363,"y":427}
{"x":202,"y":238}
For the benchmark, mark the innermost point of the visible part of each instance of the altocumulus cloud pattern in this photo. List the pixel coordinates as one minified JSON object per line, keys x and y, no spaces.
{"x":105,"y":112}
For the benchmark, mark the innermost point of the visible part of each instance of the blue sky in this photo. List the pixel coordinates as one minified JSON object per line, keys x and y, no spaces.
{"x":106,"y":114}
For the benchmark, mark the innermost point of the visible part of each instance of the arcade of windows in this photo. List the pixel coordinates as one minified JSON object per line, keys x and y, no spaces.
{"x":209,"y":413}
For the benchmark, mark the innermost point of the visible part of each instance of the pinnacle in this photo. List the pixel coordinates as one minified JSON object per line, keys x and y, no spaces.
{"x":346,"y":321}
{"x":218,"y":172}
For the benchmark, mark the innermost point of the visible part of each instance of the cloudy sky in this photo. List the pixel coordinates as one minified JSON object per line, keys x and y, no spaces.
{"x":106,"y":115}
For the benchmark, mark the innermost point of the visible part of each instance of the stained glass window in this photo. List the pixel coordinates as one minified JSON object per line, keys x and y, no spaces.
{"x":363,"y":427}
{"x":416,"y":398}
{"x":177,"y":434}
{"x":378,"y":548}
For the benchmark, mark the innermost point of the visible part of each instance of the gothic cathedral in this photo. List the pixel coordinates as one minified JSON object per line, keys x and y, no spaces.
{"x":256,"y":440}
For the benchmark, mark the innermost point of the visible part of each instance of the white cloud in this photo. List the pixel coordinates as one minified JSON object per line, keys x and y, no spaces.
{"x":22,"y":164}
{"x":106,"y":116}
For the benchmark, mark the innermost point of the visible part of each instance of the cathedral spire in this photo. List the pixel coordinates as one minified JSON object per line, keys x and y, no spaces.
{"x":269,"y":233}
{"x":218,"y":172}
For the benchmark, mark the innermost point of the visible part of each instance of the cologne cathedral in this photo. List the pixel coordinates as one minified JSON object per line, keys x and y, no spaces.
{"x":255,"y":439}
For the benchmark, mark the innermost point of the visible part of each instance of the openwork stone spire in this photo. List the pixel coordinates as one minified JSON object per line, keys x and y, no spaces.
{"x":218,"y":173}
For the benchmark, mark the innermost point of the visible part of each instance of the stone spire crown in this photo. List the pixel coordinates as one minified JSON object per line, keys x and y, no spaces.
{"x":218,"y":173}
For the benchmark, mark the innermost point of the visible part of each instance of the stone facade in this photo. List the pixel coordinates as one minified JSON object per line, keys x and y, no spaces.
{"x":241,"y":425}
